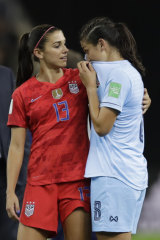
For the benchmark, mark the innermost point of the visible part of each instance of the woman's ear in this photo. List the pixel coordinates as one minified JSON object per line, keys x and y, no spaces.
{"x":38,"y":53}
{"x":102,"y":43}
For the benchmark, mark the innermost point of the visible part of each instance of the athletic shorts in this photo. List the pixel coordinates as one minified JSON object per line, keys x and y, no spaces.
{"x":43,"y":205}
{"x":115,"y":207}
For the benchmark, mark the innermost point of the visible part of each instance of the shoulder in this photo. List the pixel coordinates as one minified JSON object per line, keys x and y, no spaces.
{"x":121,"y":75}
{"x":6,"y":72}
{"x":118,"y":71}
{"x":71,"y":72}
{"x":4,"y":69}
{"x":25,"y":87}
{"x":72,"y":75}
{"x":126,"y":71}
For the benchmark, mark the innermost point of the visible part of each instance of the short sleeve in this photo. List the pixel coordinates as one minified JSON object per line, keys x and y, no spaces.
{"x":17,"y":113}
{"x":116,"y":90}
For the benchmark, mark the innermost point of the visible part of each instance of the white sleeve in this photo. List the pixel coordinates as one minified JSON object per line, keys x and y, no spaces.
{"x":117,"y":90}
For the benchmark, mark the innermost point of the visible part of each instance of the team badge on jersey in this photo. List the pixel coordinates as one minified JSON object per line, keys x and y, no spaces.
{"x":114,"y":89}
{"x":57,"y":93}
{"x":29,"y":209}
{"x":73,"y":87}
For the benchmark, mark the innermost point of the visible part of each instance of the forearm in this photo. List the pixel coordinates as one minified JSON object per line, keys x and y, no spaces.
{"x":14,"y":163}
{"x":102,"y":118}
{"x":93,"y":106}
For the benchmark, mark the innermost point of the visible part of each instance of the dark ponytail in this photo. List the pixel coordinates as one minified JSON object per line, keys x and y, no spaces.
{"x":28,"y":42}
{"x":25,"y":64}
{"x":128,"y":47}
{"x":117,"y":35}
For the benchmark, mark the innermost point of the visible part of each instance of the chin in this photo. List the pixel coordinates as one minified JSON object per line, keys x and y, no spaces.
{"x":64,"y":64}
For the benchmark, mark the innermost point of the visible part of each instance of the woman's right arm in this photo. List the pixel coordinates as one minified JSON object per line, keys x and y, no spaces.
{"x":14,"y":163}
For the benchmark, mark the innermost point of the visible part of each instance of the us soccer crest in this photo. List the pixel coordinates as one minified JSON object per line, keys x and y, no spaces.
{"x":57,"y":93}
{"x":73,"y":87}
{"x":29,"y":208}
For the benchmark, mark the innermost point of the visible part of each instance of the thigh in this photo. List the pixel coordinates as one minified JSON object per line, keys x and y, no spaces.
{"x":77,"y":225}
{"x":25,"y":233}
{"x":73,"y":195}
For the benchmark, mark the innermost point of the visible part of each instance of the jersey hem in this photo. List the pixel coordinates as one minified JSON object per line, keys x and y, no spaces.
{"x":52,"y":181}
{"x":120,"y":179}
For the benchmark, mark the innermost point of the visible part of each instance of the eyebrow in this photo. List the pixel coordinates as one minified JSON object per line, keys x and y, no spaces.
{"x":56,"y":42}
{"x":60,"y":41}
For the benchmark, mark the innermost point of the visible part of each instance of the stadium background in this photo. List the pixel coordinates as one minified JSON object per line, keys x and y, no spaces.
{"x":142,"y":17}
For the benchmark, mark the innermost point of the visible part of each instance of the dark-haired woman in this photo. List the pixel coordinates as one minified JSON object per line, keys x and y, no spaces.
{"x":115,"y":164}
{"x":53,"y":105}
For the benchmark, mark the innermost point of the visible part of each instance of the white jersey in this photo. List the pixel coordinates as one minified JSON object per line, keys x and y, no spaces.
{"x":119,"y":154}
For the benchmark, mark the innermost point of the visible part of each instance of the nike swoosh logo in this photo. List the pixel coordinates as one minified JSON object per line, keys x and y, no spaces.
{"x":33,"y":100}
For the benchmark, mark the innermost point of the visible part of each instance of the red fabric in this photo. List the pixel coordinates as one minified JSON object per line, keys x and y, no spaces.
{"x":43,"y":204}
{"x":56,"y":114}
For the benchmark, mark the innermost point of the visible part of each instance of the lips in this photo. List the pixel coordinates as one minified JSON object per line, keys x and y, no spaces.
{"x":64,"y":57}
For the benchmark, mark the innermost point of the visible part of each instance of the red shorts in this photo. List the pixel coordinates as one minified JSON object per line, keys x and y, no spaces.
{"x":42,"y":205}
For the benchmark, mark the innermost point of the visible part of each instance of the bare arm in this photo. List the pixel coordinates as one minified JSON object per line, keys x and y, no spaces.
{"x":102,"y":118}
{"x":14,"y":163}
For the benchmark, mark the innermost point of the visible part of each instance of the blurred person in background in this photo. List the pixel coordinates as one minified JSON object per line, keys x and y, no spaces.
{"x":8,"y":228}
{"x":13,"y":21}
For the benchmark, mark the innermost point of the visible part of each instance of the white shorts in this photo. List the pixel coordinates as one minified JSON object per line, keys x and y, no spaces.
{"x":115,"y":206}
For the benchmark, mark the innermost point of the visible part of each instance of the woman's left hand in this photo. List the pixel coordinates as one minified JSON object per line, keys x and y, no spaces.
{"x":146,"y":101}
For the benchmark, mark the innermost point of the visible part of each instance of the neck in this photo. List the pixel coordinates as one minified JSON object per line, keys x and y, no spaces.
{"x":50,"y":75}
{"x":114,"y":55}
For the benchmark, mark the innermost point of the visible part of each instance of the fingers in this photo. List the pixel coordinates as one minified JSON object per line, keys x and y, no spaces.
{"x":12,"y":214}
{"x":82,"y":65}
{"x":12,"y":207}
{"x":17,"y":207}
{"x":145,"y":90}
{"x":144,"y":111}
{"x":145,"y":96}
{"x":85,"y":66}
{"x":146,"y":101}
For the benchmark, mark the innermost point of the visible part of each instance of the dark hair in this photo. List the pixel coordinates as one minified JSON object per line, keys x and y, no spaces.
{"x":27,"y":44}
{"x":117,"y":35}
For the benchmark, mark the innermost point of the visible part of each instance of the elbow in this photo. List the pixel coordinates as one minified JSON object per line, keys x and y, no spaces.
{"x":101,"y":131}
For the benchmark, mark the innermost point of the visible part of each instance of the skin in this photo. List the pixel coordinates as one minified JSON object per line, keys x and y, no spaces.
{"x":102,"y":118}
{"x":146,"y":101}
{"x":52,"y":59}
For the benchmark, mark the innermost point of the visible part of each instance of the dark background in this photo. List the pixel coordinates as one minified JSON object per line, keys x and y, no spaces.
{"x":143,"y":19}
